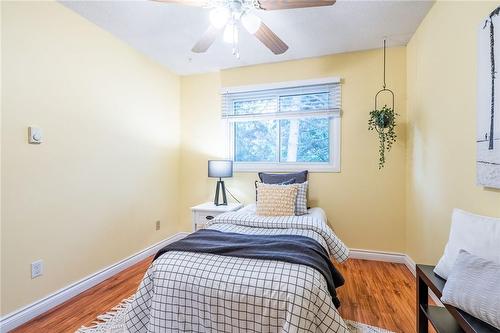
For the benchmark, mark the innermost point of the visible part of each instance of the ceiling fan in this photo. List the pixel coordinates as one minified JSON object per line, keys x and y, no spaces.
{"x":230,"y":15}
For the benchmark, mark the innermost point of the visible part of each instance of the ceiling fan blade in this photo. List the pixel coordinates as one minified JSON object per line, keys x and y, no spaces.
{"x":270,"y":39}
{"x":290,"y":4}
{"x":206,"y":40}
{"x":197,"y":3}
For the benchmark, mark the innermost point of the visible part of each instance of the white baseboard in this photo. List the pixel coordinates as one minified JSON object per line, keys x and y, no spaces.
{"x":410,"y":264}
{"x":21,"y":316}
{"x":394,"y":257}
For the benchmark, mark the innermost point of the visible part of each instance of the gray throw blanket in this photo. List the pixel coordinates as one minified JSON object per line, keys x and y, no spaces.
{"x":288,"y":248}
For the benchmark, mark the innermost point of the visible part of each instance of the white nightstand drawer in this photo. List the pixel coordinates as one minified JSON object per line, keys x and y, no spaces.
{"x":204,"y":213}
{"x":201,"y":218}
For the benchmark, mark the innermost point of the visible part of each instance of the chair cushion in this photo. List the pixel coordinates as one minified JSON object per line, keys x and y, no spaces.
{"x":473,"y":285}
{"x":476,"y":234}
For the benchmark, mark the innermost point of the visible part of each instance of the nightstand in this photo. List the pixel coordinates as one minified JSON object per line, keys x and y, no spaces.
{"x":207,"y":211}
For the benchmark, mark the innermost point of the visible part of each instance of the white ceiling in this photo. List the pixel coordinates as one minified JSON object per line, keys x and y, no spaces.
{"x":167,"y":32}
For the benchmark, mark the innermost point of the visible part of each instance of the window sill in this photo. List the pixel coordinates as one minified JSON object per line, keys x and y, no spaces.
{"x":284,"y":167}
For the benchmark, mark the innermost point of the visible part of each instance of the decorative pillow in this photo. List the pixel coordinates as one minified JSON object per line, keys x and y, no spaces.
{"x":288,"y":182}
{"x":277,"y":178}
{"x":276,"y":200}
{"x":474,"y":286}
{"x":476,"y":234}
{"x":301,"y":202}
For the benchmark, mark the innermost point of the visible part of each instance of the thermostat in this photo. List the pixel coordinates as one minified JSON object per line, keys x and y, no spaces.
{"x":34,"y":135}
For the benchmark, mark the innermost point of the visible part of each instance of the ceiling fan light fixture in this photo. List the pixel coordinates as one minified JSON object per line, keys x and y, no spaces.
{"x":251,"y":22}
{"x":231,"y":33}
{"x":231,"y":13}
{"x":219,"y":17}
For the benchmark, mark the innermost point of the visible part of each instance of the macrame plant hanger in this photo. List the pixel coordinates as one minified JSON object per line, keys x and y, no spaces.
{"x":384,"y":89}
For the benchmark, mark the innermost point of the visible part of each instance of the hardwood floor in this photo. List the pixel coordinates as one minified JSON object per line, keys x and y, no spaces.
{"x":376,"y":293}
{"x":84,"y":308}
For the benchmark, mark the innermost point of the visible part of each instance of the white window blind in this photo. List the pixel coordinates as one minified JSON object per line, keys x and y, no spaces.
{"x":305,"y":101}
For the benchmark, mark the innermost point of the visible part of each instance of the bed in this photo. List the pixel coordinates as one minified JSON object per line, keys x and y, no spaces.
{"x":202,"y":292}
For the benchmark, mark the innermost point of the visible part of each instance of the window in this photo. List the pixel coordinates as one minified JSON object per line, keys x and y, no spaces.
{"x":284,"y":127}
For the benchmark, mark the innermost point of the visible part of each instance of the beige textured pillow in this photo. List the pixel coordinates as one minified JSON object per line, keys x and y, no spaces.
{"x":276,"y":200}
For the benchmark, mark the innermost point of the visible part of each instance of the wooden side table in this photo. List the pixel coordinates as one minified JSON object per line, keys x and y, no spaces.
{"x":446,"y":319}
{"x":208,"y":211}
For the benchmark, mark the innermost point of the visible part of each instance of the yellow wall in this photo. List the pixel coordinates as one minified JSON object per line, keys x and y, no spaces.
{"x":366,"y":206}
{"x":107,"y":170}
{"x":441,"y":70}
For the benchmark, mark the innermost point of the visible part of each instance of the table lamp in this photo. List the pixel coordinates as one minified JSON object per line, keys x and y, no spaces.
{"x":220,"y":169}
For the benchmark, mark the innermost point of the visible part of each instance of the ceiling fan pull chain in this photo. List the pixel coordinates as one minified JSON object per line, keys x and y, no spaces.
{"x":236,"y":48}
{"x":236,"y":51}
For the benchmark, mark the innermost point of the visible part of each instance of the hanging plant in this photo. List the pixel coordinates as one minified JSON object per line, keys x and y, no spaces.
{"x":384,"y":122}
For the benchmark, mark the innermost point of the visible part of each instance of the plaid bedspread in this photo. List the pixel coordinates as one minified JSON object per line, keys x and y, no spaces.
{"x":198,"y":292}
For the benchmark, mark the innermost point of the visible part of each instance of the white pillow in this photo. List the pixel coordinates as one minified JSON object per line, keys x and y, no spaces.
{"x":476,"y":234}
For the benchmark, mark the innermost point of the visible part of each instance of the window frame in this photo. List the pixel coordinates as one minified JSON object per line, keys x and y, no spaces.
{"x":332,"y":166}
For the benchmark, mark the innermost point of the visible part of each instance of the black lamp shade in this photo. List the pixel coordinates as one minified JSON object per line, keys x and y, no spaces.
{"x":220,"y":168}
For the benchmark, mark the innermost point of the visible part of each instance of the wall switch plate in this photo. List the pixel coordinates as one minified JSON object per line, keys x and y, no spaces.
{"x":158,"y":225}
{"x":34,"y":135}
{"x":36,"y":268}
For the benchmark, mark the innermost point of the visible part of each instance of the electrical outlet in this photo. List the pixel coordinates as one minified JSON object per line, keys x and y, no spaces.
{"x":157,"y":225}
{"x":36,"y":268}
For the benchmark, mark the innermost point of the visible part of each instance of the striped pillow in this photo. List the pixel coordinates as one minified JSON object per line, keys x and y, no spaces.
{"x":473,"y":285}
{"x":276,"y":200}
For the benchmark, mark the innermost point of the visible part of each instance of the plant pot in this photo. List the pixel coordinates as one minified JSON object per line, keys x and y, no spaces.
{"x":383,"y":120}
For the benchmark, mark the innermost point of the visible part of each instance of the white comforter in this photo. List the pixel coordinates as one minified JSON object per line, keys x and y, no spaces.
{"x":197,"y":292}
